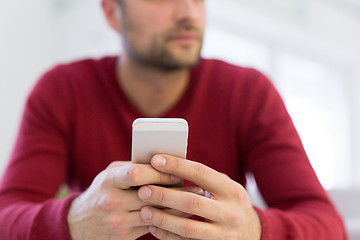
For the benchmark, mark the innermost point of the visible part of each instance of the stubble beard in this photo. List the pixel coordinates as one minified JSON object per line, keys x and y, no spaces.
{"x":158,"y":55}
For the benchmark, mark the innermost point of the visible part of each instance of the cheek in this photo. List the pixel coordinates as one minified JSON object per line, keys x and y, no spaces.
{"x":159,"y":18}
{"x":149,"y":24}
{"x":202,"y":18}
{"x":158,"y":23}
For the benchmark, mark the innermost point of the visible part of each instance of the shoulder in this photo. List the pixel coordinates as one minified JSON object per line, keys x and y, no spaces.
{"x":80,"y":68}
{"x":67,"y":81}
{"x":74,"y":74}
{"x":247,"y":90}
{"x":226,"y":74}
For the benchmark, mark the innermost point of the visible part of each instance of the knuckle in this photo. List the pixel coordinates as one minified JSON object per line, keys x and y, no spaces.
{"x":100,"y":179}
{"x":161,"y":221}
{"x":192,"y":203}
{"x":225,"y":175}
{"x":189,"y":230}
{"x":112,"y":165}
{"x":162,"y":178}
{"x":200,"y":170}
{"x":109,"y":203}
{"x":238,"y":193}
{"x":116,"y":164}
{"x":160,"y":199}
{"x":234,"y":217}
{"x":134,"y":175}
{"x":113,"y":224}
{"x":105,"y":182}
{"x":175,"y":165}
{"x":104,"y":179}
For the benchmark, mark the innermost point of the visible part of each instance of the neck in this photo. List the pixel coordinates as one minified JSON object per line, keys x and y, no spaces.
{"x":153,"y":91}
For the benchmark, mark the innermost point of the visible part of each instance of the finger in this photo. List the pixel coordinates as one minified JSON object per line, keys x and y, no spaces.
{"x":132,"y":175}
{"x":118,"y":200}
{"x":131,"y":202}
{"x":184,"y":227}
{"x":117,"y":164}
{"x":162,"y":234}
{"x":177,"y":213}
{"x":130,"y":220}
{"x":130,"y":225}
{"x":191,"y":189}
{"x":118,"y":223}
{"x":137,"y":232}
{"x":186,"y":202}
{"x":195,"y":172}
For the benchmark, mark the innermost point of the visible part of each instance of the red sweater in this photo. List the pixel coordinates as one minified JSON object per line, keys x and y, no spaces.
{"x":77,"y":120}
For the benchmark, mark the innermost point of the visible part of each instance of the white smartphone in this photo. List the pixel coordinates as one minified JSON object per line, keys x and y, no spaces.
{"x":152,"y":136}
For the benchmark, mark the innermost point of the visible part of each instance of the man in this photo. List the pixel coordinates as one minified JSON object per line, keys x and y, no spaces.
{"x":77,"y":123}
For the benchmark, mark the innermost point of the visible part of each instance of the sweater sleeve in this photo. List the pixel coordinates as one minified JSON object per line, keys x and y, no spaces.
{"x":38,"y":166}
{"x":298,"y":206}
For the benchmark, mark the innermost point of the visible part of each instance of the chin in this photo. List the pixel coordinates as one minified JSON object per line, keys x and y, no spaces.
{"x":187,"y":60}
{"x":178,"y":64}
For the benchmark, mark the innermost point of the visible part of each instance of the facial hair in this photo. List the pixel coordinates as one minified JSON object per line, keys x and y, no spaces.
{"x":157,"y":54}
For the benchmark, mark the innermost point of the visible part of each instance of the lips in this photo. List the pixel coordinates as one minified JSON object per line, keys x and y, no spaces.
{"x":184,"y":38}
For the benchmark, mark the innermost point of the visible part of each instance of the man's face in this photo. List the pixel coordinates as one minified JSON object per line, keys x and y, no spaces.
{"x":166,"y":34}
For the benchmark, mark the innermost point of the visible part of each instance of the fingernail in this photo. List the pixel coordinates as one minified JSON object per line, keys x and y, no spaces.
{"x":152,"y":229}
{"x":144,"y":193}
{"x":146,"y":214}
{"x":200,"y":191}
{"x":207,"y":194}
{"x":158,"y":161}
{"x":175,"y":178}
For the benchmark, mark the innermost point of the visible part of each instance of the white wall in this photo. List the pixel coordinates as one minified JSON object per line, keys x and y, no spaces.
{"x":325,"y":33}
{"x":40,"y":33}
{"x":36,"y":35}
{"x":25,"y":52}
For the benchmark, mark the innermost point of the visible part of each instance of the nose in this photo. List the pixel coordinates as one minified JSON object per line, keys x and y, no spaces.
{"x":189,"y":10}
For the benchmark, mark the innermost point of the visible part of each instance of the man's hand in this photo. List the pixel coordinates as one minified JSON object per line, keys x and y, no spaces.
{"x":227,"y":207}
{"x":110,"y":207}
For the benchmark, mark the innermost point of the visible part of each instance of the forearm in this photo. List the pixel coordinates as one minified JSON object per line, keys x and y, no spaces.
{"x":25,"y":219}
{"x":317,"y":222}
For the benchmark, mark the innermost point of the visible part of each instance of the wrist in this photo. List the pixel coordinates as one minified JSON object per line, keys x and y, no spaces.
{"x":74,"y":217}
